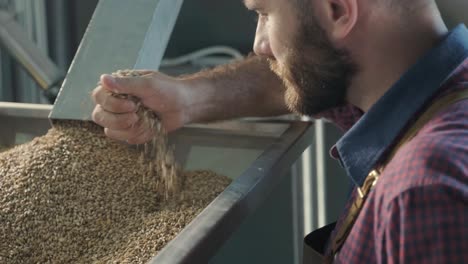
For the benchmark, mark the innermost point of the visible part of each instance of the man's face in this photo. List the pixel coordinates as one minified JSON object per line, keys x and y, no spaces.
{"x":315,"y":73}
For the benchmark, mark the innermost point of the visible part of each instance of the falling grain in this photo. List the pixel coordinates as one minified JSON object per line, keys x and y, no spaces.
{"x":156,"y":152}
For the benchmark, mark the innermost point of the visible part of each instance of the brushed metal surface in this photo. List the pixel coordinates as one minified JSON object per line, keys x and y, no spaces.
{"x":121,"y":35}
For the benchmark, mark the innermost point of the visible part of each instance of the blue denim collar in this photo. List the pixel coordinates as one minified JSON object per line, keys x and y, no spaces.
{"x":363,"y":145}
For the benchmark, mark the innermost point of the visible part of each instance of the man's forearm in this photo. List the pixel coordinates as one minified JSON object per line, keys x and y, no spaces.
{"x":241,"y":89}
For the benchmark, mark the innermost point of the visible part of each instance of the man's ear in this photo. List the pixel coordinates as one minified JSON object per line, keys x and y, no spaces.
{"x":340,"y":17}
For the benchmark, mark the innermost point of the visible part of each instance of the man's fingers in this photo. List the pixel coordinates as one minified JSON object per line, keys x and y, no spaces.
{"x":136,"y":86}
{"x":141,"y":139}
{"x":130,"y":136}
{"x":114,"y":121}
{"x":125,"y":134}
{"x":119,"y":116}
{"x":111,"y":103}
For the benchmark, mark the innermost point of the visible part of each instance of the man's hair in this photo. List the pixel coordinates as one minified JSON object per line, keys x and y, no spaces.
{"x":397,"y":5}
{"x":406,"y":5}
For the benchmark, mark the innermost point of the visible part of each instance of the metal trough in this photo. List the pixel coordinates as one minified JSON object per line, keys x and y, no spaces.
{"x":256,"y":155}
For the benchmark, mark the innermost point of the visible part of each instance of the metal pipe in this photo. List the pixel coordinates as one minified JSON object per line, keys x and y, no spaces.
{"x":38,"y":65}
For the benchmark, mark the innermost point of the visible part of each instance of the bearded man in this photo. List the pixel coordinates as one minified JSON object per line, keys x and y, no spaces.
{"x":388,"y":72}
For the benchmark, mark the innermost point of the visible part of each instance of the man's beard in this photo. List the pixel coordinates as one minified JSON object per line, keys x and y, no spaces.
{"x":315,"y":73}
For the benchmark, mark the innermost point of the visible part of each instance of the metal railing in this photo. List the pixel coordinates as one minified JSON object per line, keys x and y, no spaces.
{"x":23,"y":34}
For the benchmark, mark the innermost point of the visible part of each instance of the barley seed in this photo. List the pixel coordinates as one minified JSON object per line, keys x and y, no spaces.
{"x":76,"y":196}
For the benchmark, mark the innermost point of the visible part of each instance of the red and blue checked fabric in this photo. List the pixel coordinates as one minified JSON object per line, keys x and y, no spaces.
{"x":418,"y":210}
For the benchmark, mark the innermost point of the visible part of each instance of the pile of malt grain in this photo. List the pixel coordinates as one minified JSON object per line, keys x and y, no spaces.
{"x":75,"y":196}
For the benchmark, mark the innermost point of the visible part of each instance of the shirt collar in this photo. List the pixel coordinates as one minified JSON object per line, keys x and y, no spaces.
{"x":363,"y":145}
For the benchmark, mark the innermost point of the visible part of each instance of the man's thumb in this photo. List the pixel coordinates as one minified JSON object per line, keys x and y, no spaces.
{"x":136,"y":86}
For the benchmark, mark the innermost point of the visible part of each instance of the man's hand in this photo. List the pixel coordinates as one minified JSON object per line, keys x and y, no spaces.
{"x":167,"y":97}
{"x":240,"y":89}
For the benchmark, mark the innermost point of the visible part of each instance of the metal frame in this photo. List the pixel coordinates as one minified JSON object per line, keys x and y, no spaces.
{"x":23,"y":33}
{"x":30,"y":119}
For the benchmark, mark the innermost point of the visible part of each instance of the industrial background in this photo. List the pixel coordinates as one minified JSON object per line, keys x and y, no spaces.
{"x":315,"y":189}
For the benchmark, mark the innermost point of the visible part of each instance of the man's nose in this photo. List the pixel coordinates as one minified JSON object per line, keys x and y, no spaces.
{"x":262,"y":43}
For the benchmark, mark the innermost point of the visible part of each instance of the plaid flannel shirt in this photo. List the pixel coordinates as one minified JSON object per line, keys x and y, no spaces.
{"x":418,"y":211}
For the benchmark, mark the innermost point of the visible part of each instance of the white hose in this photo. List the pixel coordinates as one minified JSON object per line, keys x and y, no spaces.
{"x":205,"y":57}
